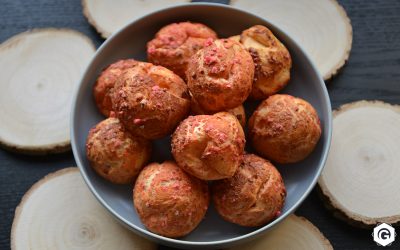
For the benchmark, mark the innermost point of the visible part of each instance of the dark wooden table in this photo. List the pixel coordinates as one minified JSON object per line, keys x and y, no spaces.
{"x":373,"y":72}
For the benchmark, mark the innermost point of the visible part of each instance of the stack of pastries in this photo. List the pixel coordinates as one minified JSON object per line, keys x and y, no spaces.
{"x":193,"y":88}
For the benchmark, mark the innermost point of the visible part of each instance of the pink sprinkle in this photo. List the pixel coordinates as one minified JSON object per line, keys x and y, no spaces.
{"x":209,"y":59}
{"x":208,"y":42}
{"x":229,"y":86}
{"x":278,"y":127}
{"x":151,"y":50}
{"x":214,"y":70}
{"x":137,"y":121}
{"x":155,"y":88}
{"x":222,"y":137}
{"x":278,"y":213}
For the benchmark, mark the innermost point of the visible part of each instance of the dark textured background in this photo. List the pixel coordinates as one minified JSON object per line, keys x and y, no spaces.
{"x":373,"y":72}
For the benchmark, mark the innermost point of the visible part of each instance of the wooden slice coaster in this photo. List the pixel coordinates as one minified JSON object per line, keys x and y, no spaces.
{"x":360,"y":181}
{"x":40,"y":69}
{"x":108,"y":16}
{"x":59,"y":212}
{"x":321,"y":27}
{"x":293,"y":233}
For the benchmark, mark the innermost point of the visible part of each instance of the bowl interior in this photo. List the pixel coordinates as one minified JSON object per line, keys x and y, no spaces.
{"x":130,"y":42}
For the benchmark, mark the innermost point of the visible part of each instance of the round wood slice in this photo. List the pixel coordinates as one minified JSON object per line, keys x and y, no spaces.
{"x":321,"y":27}
{"x":360,"y":181}
{"x":108,"y":16}
{"x":39,"y":71}
{"x":293,"y":233}
{"x":59,"y":212}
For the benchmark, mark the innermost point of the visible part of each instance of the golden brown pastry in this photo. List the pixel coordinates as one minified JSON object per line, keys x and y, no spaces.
{"x":271,"y":58}
{"x":170,"y":202}
{"x":284,"y":129}
{"x":238,"y":111}
{"x":209,"y":147}
{"x":253,"y":196}
{"x":114,"y":153}
{"x":106,"y":81}
{"x":220,"y":75}
{"x":175,"y":43}
{"x":235,"y":38}
{"x":150,"y":100}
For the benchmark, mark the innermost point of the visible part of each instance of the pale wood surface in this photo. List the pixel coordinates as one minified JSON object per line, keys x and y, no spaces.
{"x":361,"y":176}
{"x":321,"y":27}
{"x":59,"y":212}
{"x":108,"y":16}
{"x":293,"y":233}
{"x":40,"y":70}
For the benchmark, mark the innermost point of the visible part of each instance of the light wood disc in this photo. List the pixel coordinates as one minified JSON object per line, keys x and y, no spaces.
{"x":108,"y":16}
{"x":293,"y":233}
{"x":39,"y":71}
{"x":321,"y":27}
{"x":361,"y":176}
{"x":59,"y":212}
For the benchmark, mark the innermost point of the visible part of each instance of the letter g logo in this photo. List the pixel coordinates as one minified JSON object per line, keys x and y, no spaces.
{"x":384,"y":234}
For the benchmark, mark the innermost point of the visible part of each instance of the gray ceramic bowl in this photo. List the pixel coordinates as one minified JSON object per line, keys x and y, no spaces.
{"x":213,"y":231}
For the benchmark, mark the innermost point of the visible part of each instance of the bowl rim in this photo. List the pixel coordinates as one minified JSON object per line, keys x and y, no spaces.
{"x":186,"y":243}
